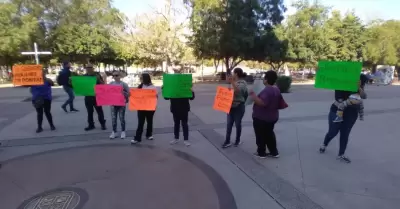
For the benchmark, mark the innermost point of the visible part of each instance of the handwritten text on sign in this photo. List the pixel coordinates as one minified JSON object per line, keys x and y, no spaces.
{"x":338,"y":75}
{"x":27,"y":75}
{"x":223,"y":99}
{"x":109,"y":95}
{"x":143,"y":99}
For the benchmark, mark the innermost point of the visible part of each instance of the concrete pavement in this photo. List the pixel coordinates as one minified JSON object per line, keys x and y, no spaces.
{"x":74,"y":163}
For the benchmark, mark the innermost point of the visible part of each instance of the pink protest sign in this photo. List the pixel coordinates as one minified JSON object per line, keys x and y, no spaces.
{"x":109,"y":95}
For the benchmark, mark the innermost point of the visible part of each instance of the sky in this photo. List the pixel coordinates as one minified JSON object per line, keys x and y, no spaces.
{"x":367,"y":10}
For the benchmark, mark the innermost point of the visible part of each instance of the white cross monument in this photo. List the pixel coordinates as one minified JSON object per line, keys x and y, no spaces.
{"x":36,"y":53}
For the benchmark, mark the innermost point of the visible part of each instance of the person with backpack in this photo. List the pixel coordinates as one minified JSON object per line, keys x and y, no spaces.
{"x":238,"y":108}
{"x":91,"y":104}
{"x":63,"y":80}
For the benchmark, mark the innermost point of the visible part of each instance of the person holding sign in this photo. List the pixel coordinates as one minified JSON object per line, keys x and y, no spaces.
{"x":350,"y":115}
{"x":238,"y":108}
{"x":41,"y":100}
{"x":90,"y":102}
{"x":265,"y":115}
{"x":63,"y":80}
{"x":180,"y":108}
{"x":119,"y":111}
{"x":144,"y":115}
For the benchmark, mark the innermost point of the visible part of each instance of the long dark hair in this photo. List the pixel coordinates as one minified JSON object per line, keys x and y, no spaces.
{"x":240,"y":73}
{"x":146,"y":79}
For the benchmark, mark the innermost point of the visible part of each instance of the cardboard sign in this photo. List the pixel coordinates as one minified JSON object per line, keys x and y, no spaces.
{"x":109,"y":95}
{"x":27,"y":75}
{"x":223,"y":99}
{"x":177,"y":85}
{"x":258,"y":86}
{"x":83,"y":85}
{"x":338,"y":75}
{"x":143,"y":99}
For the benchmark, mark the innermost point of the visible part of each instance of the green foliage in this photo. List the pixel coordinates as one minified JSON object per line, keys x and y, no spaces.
{"x":234,"y":30}
{"x":284,"y":83}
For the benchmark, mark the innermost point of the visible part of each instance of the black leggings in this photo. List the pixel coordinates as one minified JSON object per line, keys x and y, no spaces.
{"x":265,"y":137}
{"x":181,"y":118}
{"x":144,"y":116}
{"x":46,"y":108}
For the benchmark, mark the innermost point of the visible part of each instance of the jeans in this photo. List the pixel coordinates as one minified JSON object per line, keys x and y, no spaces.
{"x":46,"y":109}
{"x":349,"y":119}
{"x":118,"y":111}
{"x":144,"y":116}
{"x":235,"y":116}
{"x":265,"y":137}
{"x":181,"y":118}
{"x":71,"y":97}
{"x":90,"y":104}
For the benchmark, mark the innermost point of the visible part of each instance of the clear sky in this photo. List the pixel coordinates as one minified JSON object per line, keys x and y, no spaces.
{"x":366,"y":9}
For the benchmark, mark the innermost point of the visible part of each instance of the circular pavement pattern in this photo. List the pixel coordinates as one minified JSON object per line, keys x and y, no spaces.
{"x":63,"y":198}
{"x":113,"y":176}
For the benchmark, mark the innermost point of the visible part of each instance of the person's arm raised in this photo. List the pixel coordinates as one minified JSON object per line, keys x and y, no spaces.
{"x":257,"y":100}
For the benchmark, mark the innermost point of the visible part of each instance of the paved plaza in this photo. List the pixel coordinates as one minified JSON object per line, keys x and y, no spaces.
{"x":73,"y":169}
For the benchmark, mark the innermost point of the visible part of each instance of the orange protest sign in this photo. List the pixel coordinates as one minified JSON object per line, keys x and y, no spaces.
{"x":27,"y":75}
{"x":143,"y":99}
{"x":223,"y":99}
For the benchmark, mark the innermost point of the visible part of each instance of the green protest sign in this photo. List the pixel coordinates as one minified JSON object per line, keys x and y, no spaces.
{"x":338,"y":75}
{"x":83,"y":85}
{"x":177,"y":85}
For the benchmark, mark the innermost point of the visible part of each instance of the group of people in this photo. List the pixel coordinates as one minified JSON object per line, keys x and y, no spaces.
{"x":266,"y":105}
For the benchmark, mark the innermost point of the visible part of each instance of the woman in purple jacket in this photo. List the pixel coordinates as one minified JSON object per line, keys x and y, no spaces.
{"x":41,"y":100}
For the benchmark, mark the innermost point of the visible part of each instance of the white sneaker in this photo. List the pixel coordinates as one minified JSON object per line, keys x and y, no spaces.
{"x":187,"y":143}
{"x":123,"y":135}
{"x":175,"y":141}
{"x":150,"y":138}
{"x":134,"y":141}
{"x":112,"y":135}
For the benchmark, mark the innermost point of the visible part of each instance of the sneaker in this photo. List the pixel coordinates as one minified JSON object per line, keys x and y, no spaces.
{"x":226,"y":145}
{"x":344,"y":159}
{"x":133,"y":141}
{"x":259,"y":156}
{"x":74,"y":110}
{"x":64,"y":109}
{"x":338,"y":120}
{"x":53,"y":128}
{"x":322,"y":149}
{"x":112,"y":135}
{"x":89,"y":128}
{"x":273,"y":156}
{"x":103,"y":127}
{"x":123,"y":135}
{"x":150,"y":138}
{"x":187,"y":143}
{"x":237,"y":143}
{"x":38,"y":130}
{"x":175,"y":141}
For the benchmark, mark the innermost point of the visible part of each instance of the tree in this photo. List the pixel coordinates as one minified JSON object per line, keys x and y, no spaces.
{"x":383,"y":43}
{"x":228,"y":29}
{"x":156,"y":37}
{"x":15,"y":32}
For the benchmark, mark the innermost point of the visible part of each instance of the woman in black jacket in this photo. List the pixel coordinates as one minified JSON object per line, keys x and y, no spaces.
{"x":180,"y":108}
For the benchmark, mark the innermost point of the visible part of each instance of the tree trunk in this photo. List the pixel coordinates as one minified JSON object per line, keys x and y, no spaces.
{"x":216,"y":65}
{"x":231,"y":63}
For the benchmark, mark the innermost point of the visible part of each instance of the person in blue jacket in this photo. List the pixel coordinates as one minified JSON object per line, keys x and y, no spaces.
{"x":41,"y":100}
{"x":64,"y":81}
